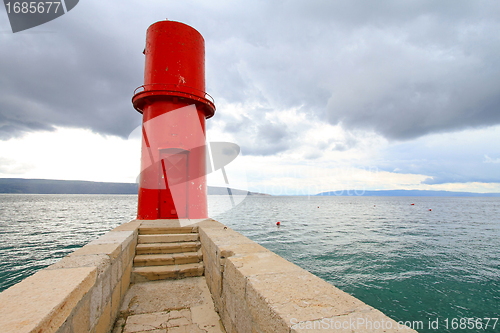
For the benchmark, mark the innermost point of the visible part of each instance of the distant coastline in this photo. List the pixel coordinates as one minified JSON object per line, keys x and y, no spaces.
{"x":52,"y":186}
{"x":406,"y":193}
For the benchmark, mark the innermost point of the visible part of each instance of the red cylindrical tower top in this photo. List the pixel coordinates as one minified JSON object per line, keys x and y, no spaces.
{"x":175,"y":66}
{"x":180,"y":56}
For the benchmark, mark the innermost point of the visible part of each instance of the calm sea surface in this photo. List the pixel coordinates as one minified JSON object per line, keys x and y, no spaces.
{"x":412,"y":264}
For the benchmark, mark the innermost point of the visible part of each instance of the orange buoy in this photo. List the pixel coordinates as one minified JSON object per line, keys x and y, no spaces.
{"x":430,"y":209}
{"x":278,"y":223}
{"x":413,"y":204}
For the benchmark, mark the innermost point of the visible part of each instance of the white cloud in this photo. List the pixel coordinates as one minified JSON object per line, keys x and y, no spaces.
{"x":71,"y":154}
{"x":488,"y":159}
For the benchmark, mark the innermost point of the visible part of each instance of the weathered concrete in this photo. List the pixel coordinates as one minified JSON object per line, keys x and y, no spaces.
{"x":178,"y":247}
{"x":182,"y":224}
{"x":167,"y":259}
{"x":169,"y":306}
{"x":161,"y":254}
{"x":168,"y":238}
{"x":43,"y":301}
{"x":151,"y":273}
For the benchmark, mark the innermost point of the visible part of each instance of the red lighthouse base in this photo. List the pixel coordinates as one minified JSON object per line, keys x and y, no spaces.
{"x":172,"y":183}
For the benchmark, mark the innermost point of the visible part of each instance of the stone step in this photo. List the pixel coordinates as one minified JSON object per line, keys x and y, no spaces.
{"x":152,"y":273}
{"x":152,"y":230}
{"x":167,"y":259}
{"x":156,"y":248}
{"x":168,"y":238}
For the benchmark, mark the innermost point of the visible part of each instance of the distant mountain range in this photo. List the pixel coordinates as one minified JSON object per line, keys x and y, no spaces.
{"x":51,"y":186}
{"x":407,"y":193}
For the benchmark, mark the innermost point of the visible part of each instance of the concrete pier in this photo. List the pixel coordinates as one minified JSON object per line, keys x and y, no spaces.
{"x":174,"y":306}
{"x":243,"y":288}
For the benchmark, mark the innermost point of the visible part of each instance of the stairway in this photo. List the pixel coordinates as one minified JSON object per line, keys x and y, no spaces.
{"x":167,"y":253}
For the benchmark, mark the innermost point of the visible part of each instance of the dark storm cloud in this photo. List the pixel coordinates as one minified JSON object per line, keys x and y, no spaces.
{"x":401,"y":69}
{"x":75,"y":72}
{"x":260,"y":138}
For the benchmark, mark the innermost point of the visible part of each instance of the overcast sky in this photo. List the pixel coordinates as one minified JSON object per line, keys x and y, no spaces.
{"x":319,"y":95}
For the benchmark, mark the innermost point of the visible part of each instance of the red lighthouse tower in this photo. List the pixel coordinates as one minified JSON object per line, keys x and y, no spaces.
{"x":174,"y":105}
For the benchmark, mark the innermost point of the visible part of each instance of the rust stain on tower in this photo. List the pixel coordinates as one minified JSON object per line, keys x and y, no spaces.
{"x":174,"y":105}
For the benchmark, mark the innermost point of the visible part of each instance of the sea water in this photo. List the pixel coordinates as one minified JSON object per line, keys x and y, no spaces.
{"x":431,"y":263}
{"x":36,"y":230}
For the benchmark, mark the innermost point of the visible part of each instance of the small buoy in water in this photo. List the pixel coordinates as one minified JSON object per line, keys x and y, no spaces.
{"x":413,"y":204}
{"x":373,"y":205}
{"x":318,"y":206}
{"x":278,"y":223}
{"x":430,"y":209}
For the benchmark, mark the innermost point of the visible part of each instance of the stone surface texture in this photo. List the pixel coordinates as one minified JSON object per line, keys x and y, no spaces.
{"x":169,"y":306}
{"x":167,"y":251}
{"x":43,"y":301}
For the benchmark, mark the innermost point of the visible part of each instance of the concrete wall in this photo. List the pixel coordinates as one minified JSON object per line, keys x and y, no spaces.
{"x":80,"y":293}
{"x":255,"y":290}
